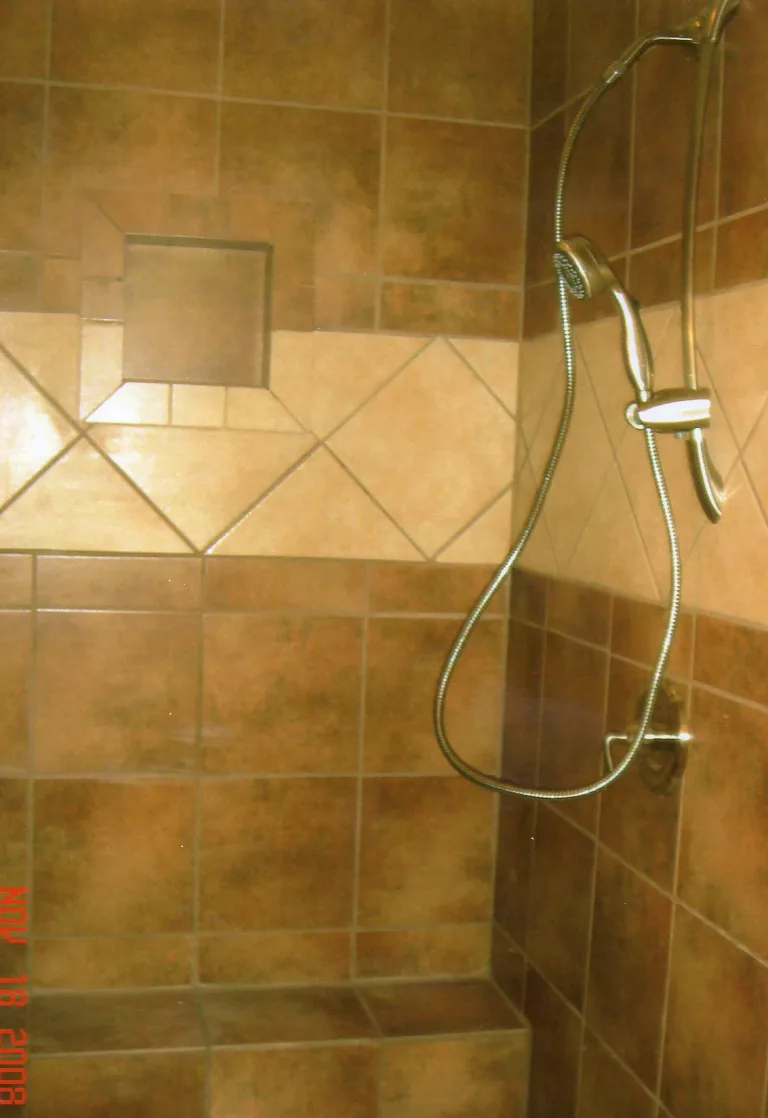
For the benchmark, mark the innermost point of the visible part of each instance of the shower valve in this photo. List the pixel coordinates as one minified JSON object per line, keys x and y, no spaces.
{"x":672,"y":411}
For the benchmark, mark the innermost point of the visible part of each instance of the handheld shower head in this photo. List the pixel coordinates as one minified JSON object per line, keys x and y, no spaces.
{"x":587,"y":272}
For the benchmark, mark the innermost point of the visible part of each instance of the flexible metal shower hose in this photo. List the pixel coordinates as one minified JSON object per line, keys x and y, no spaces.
{"x":477,"y":776}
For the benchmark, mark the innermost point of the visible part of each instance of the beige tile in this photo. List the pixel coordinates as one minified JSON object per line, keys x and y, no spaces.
{"x":135,"y":403}
{"x":102,"y":299}
{"x":102,"y":243}
{"x":496,"y":363}
{"x":487,"y":540}
{"x":409,"y":447}
{"x":113,"y":963}
{"x":198,"y":405}
{"x":15,"y":581}
{"x":734,"y":344}
{"x":611,"y":552}
{"x":275,"y":958}
{"x":82,"y":504}
{"x":755,"y":457}
{"x":541,"y":376}
{"x":318,"y":511}
{"x":15,"y":689}
{"x":539,"y":554}
{"x":258,"y":409}
{"x":324,"y":377}
{"x":101,"y":363}
{"x":599,"y":347}
{"x":61,"y":288}
{"x":31,"y":430}
{"x":48,"y":346}
{"x":737,"y":544}
{"x":201,"y":479}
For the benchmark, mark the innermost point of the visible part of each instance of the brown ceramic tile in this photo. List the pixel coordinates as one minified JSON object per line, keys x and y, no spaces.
{"x":284,"y":1016}
{"x":523,"y":703}
{"x":114,"y":963}
{"x":628,"y":966}
{"x":265,"y":845}
{"x":288,"y":1082}
{"x":450,"y":308}
{"x":471,"y":1075}
{"x":607,"y":1089}
{"x":113,"y":858}
{"x":15,"y":580}
{"x":429,"y":1008}
{"x":275,"y":958}
{"x":329,"y":158}
{"x":664,"y":102}
{"x":743,"y":176}
{"x":561,"y":903}
{"x":281,"y":694}
{"x":16,"y":654}
{"x":429,"y":588}
{"x":433,"y":56}
{"x":345,"y":302}
{"x":21,"y":143}
{"x":102,"y":300}
{"x":285,"y":584}
{"x":635,"y":823}
{"x":106,"y":582}
{"x":597,"y":200}
{"x":742,"y":250}
{"x":13,"y":833}
{"x":655,"y":273}
{"x":541,"y":310}
{"x":549,"y":57}
{"x":61,"y":285}
{"x":116,"y":691}
{"x":517,"y":830}
{"x":598,"y":35}
{"x":573,"y":722}
{"x":425,"y":852}
{"x":723,"y":858}
{"x":19,"y":281}
{"x":528,"y":597}
{"x":716,"y":1026}
{"x":580,"y":611}
{"x":637,"y":631}
{"x":279,"y":52}
{"x":144,"y":43}
{"x":507,"y":966}
{"x":25,"y":34}
{"x":545,"y":147}
{"x":732,"y":657}
{"x":445,"y":217}
{"x":121,"y":1086}
{"x":460,"y":949}
{"x":556,"y":1034}
{"x":403,"y":663}
{"x":120,"y":139}
{"x":111,"y":1022}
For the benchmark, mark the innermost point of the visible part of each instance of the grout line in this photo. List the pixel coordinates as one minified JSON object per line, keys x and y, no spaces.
{"x":356,"y":854}
{"x":219,"y":93}
{"x":197,"y":841}
{"x":507,"y":490}
{"x":378,"y":280}
{"x":31,"y":743}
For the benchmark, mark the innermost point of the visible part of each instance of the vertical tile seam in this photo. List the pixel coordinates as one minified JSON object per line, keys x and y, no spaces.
{"x":718,"y":166}
{"x":219,"y":99}
{"x":358,"y":830}
{"x":200,"y":684}
{"x":30,"y":782}
{"x":383,"y":131}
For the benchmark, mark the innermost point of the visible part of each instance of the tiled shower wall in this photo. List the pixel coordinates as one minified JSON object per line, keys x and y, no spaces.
{"x":224,"y":771}
{"x":631,"y":926}
{"x":393,"y":124}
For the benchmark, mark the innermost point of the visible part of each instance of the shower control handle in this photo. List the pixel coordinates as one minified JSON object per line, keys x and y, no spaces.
{"x":672,"y":410}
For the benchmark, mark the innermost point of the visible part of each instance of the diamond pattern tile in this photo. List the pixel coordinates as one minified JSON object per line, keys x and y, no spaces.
{"x":485,"y":541}
{"x":496,"y":363}
{"x":434,"y":447}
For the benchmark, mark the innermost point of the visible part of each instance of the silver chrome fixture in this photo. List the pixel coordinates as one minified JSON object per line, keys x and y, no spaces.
{"x":583,"y":271}
{"x":664,"y":753}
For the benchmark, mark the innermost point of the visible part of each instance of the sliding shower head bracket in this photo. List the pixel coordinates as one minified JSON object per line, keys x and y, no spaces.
{"x":663,"y":755}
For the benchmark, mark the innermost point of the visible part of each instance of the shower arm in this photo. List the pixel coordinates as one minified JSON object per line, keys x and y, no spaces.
{"x":703,"y":32}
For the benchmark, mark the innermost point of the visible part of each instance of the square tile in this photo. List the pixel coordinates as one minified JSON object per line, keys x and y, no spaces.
{"x":285,"y":585}
{"x":274,"y":958}
{"x":14,"y":833}
{"x":15,"y":581}
{"x":450,"y":308}
{"x":117,"y":691}
{"x":16,"y":653}
{"x":416,"y":588}
{"x":261,"y":857}
{"x":286,"y":1082}
{"x":556,"y":1035}
{"x":279,"y":52}
{"x":514,"y":855}
{"x":113,"y":857}
{"x":445,"y":217}
{"x":426,"y":1008}
{"x":425,"y":852}
{"x":108,"y":1022}
{"x":21,"y":143}
{"x":89,"y":963}
{"x":281,"y":694}
{"x":284,"y":1016}
{"x":25,"y":35}
{"x":117,"y":582}
{"x":607,"y":1089}
{"x":423,"y":952}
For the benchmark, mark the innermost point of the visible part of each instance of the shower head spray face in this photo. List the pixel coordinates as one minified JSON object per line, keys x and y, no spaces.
{"x":587,"y":273}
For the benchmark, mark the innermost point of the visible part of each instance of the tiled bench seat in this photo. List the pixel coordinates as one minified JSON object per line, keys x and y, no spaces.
{"x":405,"y":1050}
